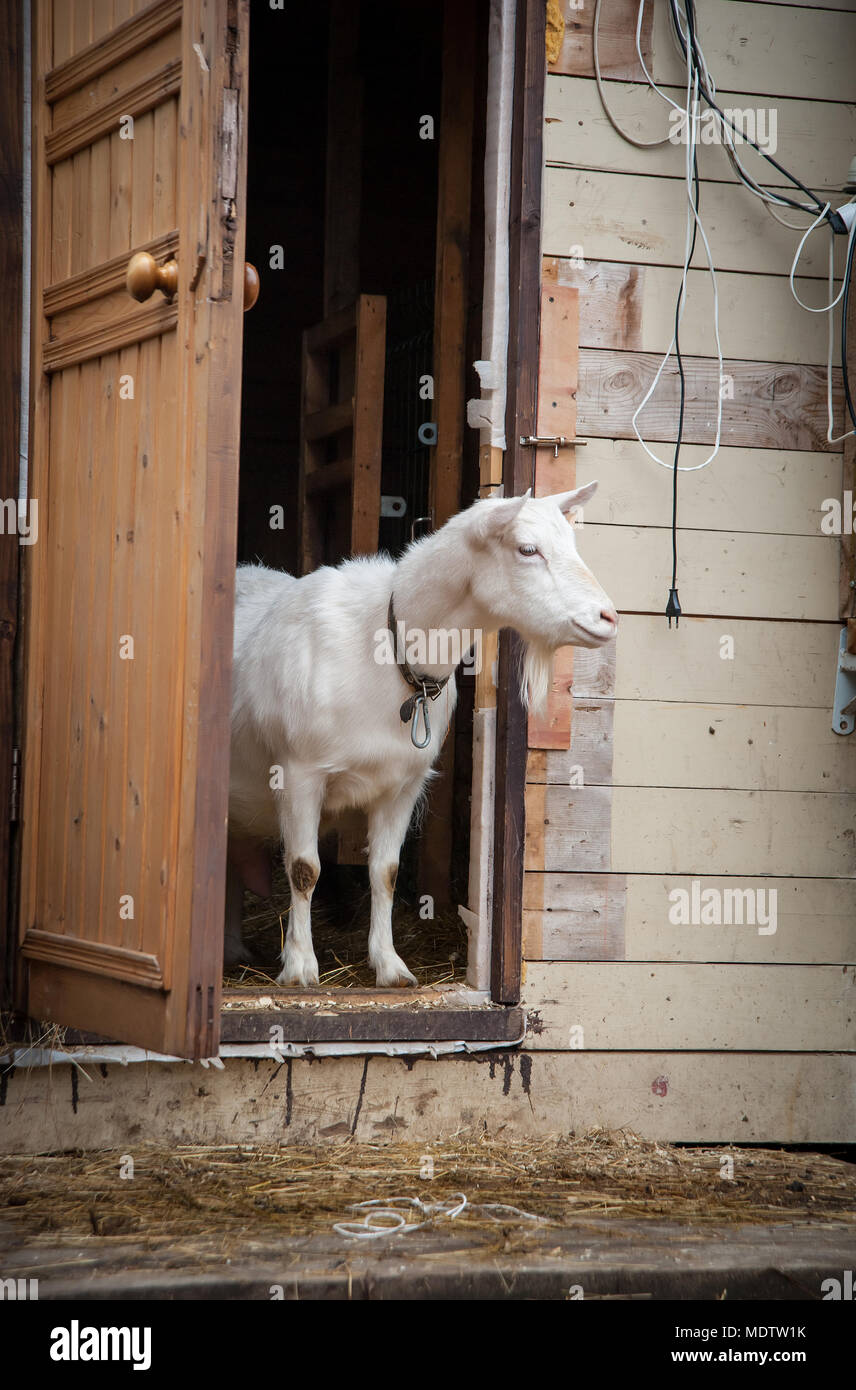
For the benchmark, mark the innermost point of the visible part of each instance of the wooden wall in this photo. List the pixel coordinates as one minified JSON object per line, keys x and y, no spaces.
{"x":696,"y":763}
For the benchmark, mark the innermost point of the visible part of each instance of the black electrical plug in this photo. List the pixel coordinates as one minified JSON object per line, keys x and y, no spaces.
{"x":673,"y":608}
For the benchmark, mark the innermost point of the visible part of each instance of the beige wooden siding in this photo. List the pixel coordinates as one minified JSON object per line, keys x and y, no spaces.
{"x":706,"y":754}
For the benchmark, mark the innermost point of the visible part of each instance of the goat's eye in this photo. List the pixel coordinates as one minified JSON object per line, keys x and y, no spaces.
{"x":528,"y":549}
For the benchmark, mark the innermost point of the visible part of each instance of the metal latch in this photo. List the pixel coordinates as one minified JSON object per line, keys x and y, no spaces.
{"x":844,"y":706}
{"x":555,"y":441}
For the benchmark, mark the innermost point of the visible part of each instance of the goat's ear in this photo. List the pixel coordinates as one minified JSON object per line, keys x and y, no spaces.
{"x":496,"y":515}
{"x":571,"y":501}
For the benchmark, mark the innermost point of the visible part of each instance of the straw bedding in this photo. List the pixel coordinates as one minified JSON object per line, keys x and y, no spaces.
{"x":239,"y":1193}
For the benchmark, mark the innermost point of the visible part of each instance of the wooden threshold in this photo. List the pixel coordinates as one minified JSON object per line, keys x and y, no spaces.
{"x":360,"y":1016}
{"x":310,"y":1019}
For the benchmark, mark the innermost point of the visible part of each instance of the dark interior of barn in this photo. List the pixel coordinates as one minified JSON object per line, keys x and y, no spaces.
{"x":342,"y":203}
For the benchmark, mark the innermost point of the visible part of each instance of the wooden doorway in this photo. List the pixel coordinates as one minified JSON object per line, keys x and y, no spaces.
{"x":390,"y":167}
{"x":139,"y":145}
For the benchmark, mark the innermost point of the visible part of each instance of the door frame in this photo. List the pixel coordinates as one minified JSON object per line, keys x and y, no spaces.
{"x":530,"y":77}
{"x":12,"y":230}
{"x":525,"y":279}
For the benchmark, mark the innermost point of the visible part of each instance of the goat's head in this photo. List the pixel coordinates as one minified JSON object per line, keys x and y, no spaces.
{"x":534,"y":580}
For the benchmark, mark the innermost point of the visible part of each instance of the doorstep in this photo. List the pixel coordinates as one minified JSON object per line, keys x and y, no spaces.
{"x":430,"y":1015}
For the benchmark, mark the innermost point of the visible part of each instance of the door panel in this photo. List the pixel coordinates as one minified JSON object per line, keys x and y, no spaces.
{"x":134,"y":465}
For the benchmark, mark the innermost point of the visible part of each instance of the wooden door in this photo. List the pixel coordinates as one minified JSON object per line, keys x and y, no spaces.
{"x":139,"y":143}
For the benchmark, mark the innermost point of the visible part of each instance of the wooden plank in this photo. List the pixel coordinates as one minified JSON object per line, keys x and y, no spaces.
{"x":750,"y":748}
{"x":633,"y":307}
{"x":81,"y":27}
{"x":451,"y":276}
{"x":764,"y":404}
{"x":810,"y":135}
{"x":59,"y":263}
{"x":739,"y":575}
{"x":378,"y":1025}
{"x":696,"y":831}
{"x":685,"y":1097}
{"x":588,"y":760}
{"x":779,"y":50}
{"x":332,"y":330}
{"x":333,"y":419}
{"x":642,"y":218}
{"x":616,"y":40}
{"x":485,"y":697}
{"x":152,"y":320}
{"x":773,"y":51}
{"x":334,"y":475}
{"x":368,"y":423}
{"x":651,"y":743}
{"x":555,"y":471}
{"x":59,"y":34}
{"x":11,"y":301}
{"x":109,"y":49}
{"x":590,"y":925}
{"x":583,"y":916}
{"x":164,"y":193}
{"x":45,"y":40}
{"x":847,"y":544}
{"x":754,"y":490}
{"x":144,"y":96}
{"x":95,"y":957}
{"x":124,"y":76}
{"x":102,"y":19}
{"x":142,"y":178}
{"x":103,"y":279}
{"x":81,"y":209}
{"x":626,"y":1006}
{"x":708,"y":660}
{"x":524,"y":306}
{"x":552,"y":729}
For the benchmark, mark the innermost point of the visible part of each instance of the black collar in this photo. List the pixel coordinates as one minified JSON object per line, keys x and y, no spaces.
{"x":428,"y":685}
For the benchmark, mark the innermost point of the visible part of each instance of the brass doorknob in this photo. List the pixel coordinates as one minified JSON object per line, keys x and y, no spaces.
{"x":251,"y":285}
{"x":145,"y":276}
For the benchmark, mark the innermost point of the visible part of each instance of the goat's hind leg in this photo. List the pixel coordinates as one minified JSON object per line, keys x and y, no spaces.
{"x":388,"y":822}
{"x":299,"y":806}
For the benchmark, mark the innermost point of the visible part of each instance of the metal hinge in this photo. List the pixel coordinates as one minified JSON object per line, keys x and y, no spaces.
{"x":844,"y":699}
{"x":15,"y":785}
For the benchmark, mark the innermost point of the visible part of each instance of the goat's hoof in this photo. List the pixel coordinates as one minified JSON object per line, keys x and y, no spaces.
{"x":299,"y":970}
{"x":392,"y":973}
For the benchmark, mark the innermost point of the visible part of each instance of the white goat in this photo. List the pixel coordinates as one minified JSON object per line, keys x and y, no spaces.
{"x":318,"y":716}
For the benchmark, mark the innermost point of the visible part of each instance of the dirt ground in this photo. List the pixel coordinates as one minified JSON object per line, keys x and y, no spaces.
{"x":474,"y":1218}
{"x":170,"y":1195}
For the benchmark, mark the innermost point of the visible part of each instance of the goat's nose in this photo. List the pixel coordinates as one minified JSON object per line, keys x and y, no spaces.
{"x":609,"y":615}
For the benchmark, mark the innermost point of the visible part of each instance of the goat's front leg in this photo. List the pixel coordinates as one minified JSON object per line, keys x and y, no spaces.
{"x":299,"y":808}
{"x":388,"y":822}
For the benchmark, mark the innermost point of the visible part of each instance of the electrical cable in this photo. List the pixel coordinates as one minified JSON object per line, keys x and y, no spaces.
{"x":673,"y":607}
{"x":700,"y":83}
{"x":689,"y":7}
{"x":612,"y":118}
{"x":848,"y":271}
{"x":697,"y":222}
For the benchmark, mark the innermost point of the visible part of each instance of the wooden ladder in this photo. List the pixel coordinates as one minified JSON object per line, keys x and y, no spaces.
{"x":341,"y":433}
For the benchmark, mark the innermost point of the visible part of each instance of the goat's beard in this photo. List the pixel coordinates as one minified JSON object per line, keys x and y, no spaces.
{"x":536,"y":676}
